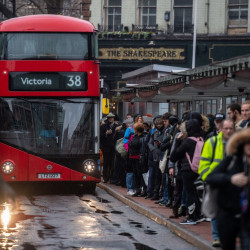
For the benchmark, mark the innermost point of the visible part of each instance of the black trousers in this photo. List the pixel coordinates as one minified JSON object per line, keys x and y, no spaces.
{"x":192,"y":199}
{"x":229,"y":229}
{"x":178,"y":191}
{"x":108,"y":165}
{"x":158,"y":179}
{"x":119,"y":173}
{"x":170,"y":188}
{"x":139,"y":181}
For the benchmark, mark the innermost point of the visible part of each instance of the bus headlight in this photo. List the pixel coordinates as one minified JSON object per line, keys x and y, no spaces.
{"x":8,"y":167}
{"x":89,"y":166}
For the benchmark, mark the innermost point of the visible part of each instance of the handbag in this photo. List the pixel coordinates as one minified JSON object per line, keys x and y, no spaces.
{"x":119,"y":147}
{"x":209,"y":205}
{"x":163,"y":162}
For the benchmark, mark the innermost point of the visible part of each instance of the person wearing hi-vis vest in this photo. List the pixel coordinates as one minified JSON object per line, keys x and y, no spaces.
{"x":212,"y":154}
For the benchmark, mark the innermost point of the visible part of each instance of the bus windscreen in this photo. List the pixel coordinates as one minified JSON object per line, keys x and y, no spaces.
{"x":45,"y":46}
{"x":48,"y":126}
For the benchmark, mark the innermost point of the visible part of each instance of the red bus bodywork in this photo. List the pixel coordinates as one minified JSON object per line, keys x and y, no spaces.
{"x":28,"y":165}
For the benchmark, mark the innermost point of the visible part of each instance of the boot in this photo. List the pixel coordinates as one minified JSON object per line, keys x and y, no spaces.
{"x":175,"y":214}
{"x":182,"y":211}
{"x":169,"y":203}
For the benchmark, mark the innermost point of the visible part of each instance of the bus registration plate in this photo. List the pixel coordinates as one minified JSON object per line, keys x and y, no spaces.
{"x":49,"y":176}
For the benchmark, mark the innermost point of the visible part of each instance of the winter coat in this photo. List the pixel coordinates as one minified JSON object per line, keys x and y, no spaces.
{"x":171,"y":164}
{"x":229,"y":194}
{"x":150,"y":155}
{"x":186,"y":145}
{"x":107,"y":142}
{"x":129,"y":131}
{"x":166,"y":143}
{"x":120,"y":133}
{"x":135,"y":145}
{"x":212,"y":154}
{"x":158,"y":135}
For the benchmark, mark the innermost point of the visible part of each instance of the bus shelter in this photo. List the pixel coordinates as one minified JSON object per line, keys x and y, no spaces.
{"x":206,"y":89}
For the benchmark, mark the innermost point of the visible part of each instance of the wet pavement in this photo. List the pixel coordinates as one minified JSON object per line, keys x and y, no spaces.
{"x":198,"y":235}
{"x":65,"y":220}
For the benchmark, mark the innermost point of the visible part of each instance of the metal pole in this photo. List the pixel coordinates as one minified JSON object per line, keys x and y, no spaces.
{"x":194,"y":35}
{"x":101,"y":97}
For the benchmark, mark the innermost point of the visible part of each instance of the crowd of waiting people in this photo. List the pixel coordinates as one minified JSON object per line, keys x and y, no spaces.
{"x":161,"y":165}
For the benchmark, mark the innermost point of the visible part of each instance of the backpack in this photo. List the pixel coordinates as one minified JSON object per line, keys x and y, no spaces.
{"x":119,"y":146}
{"x":197,"y":153}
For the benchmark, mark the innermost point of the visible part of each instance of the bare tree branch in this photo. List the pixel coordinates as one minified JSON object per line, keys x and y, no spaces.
{"x":7,"y":12}
{"x":38,"y":5}
{"x":72,"y":7}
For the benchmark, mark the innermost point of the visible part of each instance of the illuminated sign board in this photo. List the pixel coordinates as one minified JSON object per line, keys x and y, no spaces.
{"x":48,"y":81}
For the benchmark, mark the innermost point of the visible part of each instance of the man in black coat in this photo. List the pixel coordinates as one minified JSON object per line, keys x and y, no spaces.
{"x":107,"y":145}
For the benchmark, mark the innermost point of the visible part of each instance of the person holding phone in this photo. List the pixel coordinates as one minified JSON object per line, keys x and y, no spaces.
{"x":154,"y":146}
{"x":107,"y":145}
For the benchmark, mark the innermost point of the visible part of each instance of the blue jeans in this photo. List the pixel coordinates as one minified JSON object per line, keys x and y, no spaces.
{"x":130,"y":180}
{"x":165,"y":194}
{"x":215,"y":232}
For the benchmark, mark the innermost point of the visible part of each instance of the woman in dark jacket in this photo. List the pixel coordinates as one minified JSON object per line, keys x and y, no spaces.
{"x":136,"y":145}
{"x":231,"y":178}
{"x":183,"y":146}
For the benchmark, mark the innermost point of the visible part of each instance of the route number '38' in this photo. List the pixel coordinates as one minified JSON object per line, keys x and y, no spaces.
{"x":74,"y":81}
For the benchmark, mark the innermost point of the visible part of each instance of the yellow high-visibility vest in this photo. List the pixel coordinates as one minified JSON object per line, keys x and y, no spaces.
{"x":207,"y":164}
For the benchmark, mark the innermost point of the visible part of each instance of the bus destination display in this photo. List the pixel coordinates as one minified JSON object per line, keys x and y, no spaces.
{"x":48,"y":81}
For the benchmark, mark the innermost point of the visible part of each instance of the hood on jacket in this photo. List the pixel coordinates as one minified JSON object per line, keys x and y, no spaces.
{"x":237,"y":140}
{"x":193,"y":128}
{"x":194,"y":115}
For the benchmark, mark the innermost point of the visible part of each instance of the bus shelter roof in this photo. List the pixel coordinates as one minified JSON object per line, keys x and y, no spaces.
{"x":224,"y":78}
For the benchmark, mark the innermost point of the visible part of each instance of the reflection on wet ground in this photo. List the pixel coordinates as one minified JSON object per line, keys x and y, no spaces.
{"x":99,"y":211}
{"x":27,"y":246}
{"x":102,"y":200}
{"x":127,"y":235}
{"x":6,"y":243}
{"x":116,"y":212}
{"x":60,"y":220}
{"x":140,"y":246}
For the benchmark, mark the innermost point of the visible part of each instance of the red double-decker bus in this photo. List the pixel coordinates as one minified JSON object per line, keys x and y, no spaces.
{"x":49,"y":100}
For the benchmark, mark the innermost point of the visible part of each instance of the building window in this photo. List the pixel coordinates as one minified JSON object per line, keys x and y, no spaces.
{"x":147,"y":12}
{"x":237,"y":12}
{"x":199,"y":106}
{"x":113,"y":15}
{"x":183,"y":16}
{"x":211,"y":106}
